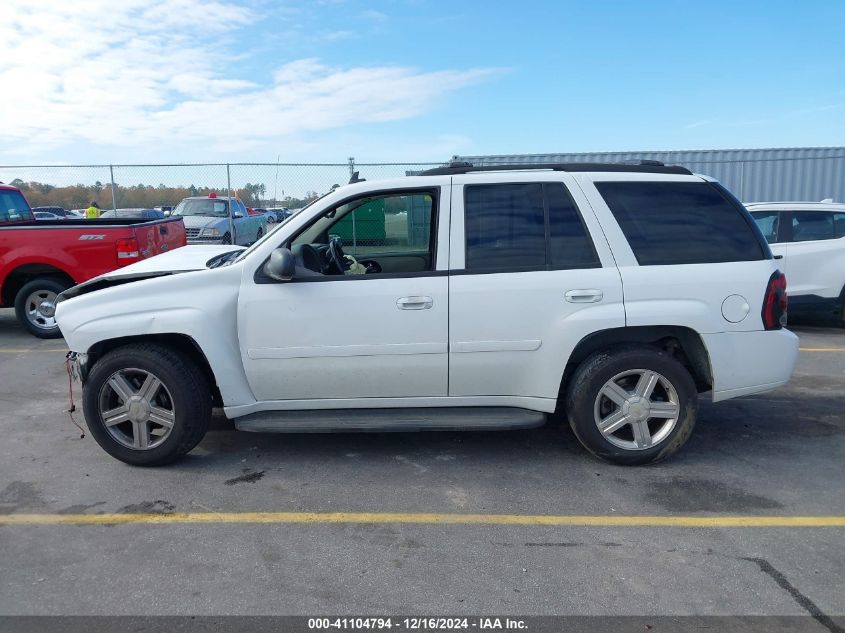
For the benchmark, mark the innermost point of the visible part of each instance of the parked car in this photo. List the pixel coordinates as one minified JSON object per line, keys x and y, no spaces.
{"x":810,"y":239}
{"x":44,"y":215}
{"x":38,"y":260}
{"x":59,"y":212}
{"x":210,"y":220}
{"x":146,"y":214}
{"x":268,"y":214}
{"x":281,"y":213}
{"x":494,"y":299}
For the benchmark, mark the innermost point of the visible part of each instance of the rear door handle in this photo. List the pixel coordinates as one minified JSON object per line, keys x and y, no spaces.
{"x":587,"y":295}
{"x":414,"y":303}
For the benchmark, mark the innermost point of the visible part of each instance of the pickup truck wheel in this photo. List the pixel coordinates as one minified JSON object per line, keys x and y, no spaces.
{"x":35,"y":306}
{"x":259,"y":234}
{"x":227,"y":238}
{"x":632,"y":405}
{"x":146,"y":404}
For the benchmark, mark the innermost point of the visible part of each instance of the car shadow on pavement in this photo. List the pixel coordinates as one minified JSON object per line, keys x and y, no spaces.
{"x":763,"y":428}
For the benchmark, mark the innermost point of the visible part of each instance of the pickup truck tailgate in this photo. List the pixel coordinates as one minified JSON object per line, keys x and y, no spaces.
{"x":159,"y":236}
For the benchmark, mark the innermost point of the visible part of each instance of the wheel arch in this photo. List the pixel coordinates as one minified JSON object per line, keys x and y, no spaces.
{"x":21,"y":275}
{"x":180,"y":342}
{"x":683,"y":343}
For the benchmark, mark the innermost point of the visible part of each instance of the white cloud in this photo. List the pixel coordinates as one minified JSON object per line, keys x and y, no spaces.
{"x":335,"y":36}
{"x":137,"y":72}
{"x":375,"y":16}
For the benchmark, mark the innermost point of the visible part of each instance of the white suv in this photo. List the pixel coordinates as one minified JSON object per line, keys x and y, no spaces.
{"x":464,"y":297}
{"x":810,"y":237}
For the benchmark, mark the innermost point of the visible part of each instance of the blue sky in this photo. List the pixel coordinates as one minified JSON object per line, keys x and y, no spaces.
{"x":414,"y":80}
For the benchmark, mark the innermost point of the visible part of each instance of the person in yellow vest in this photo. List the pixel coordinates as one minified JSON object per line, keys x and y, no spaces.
{"x":92,"y":212}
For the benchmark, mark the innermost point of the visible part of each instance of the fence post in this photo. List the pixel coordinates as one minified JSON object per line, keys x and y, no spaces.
{"x":229,"y":204}
{"x":742,"y":181}
{"x":113,"y":196}
{"x":351,"y":166}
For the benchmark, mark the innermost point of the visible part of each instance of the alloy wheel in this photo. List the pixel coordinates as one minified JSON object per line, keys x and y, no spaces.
{"x":637,"y":409}
{"x":137,"y":409}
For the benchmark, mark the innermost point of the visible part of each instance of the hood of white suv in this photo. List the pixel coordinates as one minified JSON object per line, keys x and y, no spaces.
{"x":192,"y":257}
{"x":181,"y":260}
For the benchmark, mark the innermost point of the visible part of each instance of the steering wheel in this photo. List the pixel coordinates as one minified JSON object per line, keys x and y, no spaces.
{"x":338,"y":257}
{"x":308,"y":256}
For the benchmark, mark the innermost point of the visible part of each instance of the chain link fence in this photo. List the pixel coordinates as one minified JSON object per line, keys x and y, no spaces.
{"x":264,"y":185}
{"x":292,"y":185}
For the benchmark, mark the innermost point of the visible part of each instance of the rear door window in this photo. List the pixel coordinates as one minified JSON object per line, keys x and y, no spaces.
{"x":524,"y":226}
{"x":669,"y":223}
{"x":570,"y":244}
{"x":505,"y":227}
{"x":812,"y":226}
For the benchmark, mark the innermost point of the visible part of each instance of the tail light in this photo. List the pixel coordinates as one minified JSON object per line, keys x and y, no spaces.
{"x":775,"y":302}
{"x":127,"y":251}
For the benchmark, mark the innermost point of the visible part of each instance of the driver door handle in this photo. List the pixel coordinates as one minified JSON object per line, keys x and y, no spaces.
{"x":587,"y":295}
{"x":414,"y":303}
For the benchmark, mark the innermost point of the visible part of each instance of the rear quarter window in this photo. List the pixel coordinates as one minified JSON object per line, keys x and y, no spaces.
{"x":768,"y":222}
{"x":13,"y":207}
{"x":669,"y":223}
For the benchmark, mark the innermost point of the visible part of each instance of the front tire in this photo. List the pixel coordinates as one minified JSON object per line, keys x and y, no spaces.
{"x":35,"y":306}
{"x":632,"y":405}
{"x":146,"y":404}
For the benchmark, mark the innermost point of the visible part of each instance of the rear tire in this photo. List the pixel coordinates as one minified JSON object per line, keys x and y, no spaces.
{"x":146,"y":404}
{"x":632,"y":405}
{"x":35,"y":306}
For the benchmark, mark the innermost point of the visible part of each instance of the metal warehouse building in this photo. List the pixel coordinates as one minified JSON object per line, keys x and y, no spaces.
{"x":754,"y":175}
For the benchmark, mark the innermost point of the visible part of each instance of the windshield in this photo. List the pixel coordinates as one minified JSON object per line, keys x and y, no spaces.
{"x":295,"y":212}
{"x":246,"y":252}
{"x":13,"y":207}
{"x":203,"y":206}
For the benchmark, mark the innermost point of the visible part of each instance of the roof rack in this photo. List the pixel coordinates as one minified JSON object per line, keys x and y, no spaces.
{"x":642,"y":166}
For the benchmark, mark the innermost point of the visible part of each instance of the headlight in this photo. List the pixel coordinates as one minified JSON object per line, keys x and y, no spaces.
{"x":207,"y":232}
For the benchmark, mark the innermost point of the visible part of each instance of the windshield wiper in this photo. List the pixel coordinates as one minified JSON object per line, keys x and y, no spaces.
{"x":222,"y":259}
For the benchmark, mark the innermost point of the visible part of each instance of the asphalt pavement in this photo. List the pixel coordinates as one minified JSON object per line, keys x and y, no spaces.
{"x":777,"y":455}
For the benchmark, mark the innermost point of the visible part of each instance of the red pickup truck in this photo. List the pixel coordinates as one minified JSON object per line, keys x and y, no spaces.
{"x":40,"y":259}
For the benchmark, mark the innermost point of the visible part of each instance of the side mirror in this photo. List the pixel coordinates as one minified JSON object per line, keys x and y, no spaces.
{"x":281,"y":265}
{"x":237,"y":215}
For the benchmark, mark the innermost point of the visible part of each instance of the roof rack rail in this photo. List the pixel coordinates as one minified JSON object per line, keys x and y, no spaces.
{"x":642,"y":166}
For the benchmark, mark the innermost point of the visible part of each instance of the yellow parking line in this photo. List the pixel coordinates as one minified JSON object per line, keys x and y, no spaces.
{"x":822,"y":349}
{"x":23,"y":350}
{"x":26,"y":351}
{"x":428,"y":518}
{"x":64,"y":351}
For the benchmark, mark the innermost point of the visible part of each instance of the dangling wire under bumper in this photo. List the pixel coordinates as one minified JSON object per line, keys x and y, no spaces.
{"x":76,"y":367}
